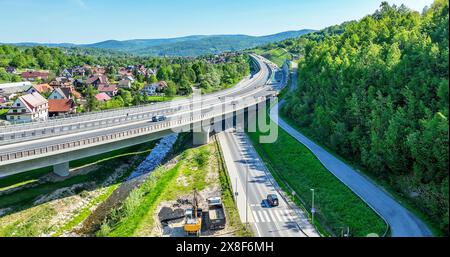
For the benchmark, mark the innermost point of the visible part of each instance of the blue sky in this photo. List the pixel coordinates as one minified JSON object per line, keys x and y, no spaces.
{"x":88,"y":21}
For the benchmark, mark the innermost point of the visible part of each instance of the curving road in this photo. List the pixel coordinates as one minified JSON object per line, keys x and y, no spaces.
{"x":401,"y":221}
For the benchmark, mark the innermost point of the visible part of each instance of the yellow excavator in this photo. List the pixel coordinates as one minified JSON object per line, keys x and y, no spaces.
{"x":193,"y":218}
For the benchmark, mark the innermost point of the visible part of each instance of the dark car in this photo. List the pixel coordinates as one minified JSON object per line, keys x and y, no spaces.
{"x":272,"y":199}
{"x":158,"y":118}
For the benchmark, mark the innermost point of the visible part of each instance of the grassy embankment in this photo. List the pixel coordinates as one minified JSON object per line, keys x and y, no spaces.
{"x":399,"y":197}
{"x":276,"y":55}
{"x":337,"y":206}
{"x":29,"y":219}
{"x":136,"y":216}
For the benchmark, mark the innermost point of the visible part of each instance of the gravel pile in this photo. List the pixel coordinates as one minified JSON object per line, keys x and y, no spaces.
{"x":156,"y":156}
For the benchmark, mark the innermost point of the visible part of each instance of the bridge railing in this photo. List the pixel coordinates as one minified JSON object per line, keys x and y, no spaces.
{"x":98,"y":120}
{"x":135,"y":132}
{"x":104,"y":113}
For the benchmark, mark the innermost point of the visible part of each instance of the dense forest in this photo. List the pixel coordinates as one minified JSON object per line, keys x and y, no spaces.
{"x":376,"y":93}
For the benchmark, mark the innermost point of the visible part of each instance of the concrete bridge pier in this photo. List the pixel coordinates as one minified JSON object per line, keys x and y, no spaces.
{"x":61,"y":169}
{"x":201,"y":135}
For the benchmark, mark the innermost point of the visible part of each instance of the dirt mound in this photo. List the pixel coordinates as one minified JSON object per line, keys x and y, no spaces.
{"x":168,"y":214}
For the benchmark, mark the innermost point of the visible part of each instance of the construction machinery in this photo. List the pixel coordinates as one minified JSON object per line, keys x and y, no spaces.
{"x":193,"y":218}
{"x":216,"y":214}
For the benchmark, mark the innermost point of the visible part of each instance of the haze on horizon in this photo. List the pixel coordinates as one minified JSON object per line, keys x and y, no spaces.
{"x":90,"y":21}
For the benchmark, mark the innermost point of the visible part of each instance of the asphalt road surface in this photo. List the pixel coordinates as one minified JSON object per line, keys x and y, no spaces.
{"x":244,"y":164}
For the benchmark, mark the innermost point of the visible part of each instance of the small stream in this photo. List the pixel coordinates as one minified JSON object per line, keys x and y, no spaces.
{"x":137,"y":177}
{"x":155,"y":157}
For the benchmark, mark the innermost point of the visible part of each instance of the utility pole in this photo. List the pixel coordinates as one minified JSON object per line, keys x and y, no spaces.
{"x":313,"y":210}
{"x":246,"y":196}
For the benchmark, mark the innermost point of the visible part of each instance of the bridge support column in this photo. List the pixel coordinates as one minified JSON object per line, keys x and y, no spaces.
{"x":61,"y":169}
{"x":202,"y":137}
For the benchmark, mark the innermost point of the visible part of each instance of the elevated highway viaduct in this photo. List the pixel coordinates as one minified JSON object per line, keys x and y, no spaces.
{"x":24,"y":147}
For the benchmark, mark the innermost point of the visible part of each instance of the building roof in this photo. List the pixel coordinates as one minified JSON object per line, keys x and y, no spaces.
{"x":161,"y":84}
{"x":12,"y":88}
{"x":63,"y":91}
{"x":60,"y":105}
{"x":43,"y":88}
{"x":33,"y":100}
{"x":103,"y":97}
{"x":103,"y":79}
{"x":34,"y":74}
{"x":107,"y":88}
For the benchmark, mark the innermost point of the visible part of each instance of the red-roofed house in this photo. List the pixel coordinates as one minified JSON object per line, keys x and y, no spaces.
{"x":110,"y":90}
{"x":102,"y":97}
{"x":34,"y":75}
{"x":58,"y":107}
{"x":28,"y":108}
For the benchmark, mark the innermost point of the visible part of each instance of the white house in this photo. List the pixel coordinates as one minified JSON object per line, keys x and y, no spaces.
{"x":154,"y":88}
{"x":28,"y":108}
{"x":126,"y":82}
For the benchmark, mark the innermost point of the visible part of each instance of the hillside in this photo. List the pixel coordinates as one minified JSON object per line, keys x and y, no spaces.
{"x":377,"y":95}
{"x":183,"y":46}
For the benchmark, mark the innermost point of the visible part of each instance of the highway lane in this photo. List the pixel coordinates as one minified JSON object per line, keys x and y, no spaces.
{"x":244,"y":164}
{"x":28,"y":145}
{"x":256,"y":88}
{"x":243,"y":86}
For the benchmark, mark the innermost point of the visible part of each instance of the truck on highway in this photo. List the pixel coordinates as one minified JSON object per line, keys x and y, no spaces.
{"x":216,"y":213}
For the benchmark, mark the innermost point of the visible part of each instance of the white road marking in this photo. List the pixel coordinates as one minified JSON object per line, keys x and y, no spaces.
{"x":261,"y":216}
{"x":266,"y":216}
{"x":255,"y":216}
{"x":272,"y":216}
{"x":277,"y":213}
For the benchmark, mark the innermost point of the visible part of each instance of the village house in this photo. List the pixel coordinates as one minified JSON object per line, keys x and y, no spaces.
{"x":65,"y":93}
{"x":75,"y":71}
{"x":61,"y":82}
{"x":154,"y":88}
{"x":124,"y":72}
{"x":61,"y":93}
{"x":110,"y":90}
{"x":102,"y":97}
{"x":95,"y":80}
{"x":151,"y":72}
{"x":28,"y":108}
{"x":98,"y":70}
{"x":58,"y":107}
{"x":40,"y":88}
{"x":35,"y":75}
{"x":67,"y":73}
{"x":126,"y":82}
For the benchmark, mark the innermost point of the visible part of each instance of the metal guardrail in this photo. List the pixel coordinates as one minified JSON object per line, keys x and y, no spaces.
{"x":81,"y":143}
{"x":97,"y":120}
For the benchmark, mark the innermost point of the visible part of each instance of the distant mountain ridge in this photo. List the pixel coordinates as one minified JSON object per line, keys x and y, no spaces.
{"x":182,"y":46}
